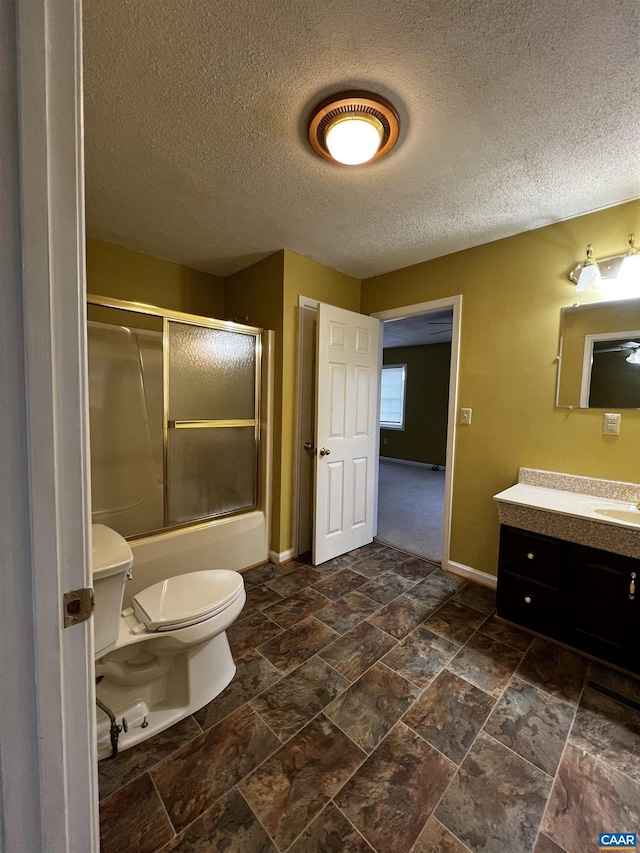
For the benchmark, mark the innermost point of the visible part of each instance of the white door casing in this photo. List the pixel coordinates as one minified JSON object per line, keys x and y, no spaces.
{"x":50,"y":801}
{"x":306,"y":428}
{"x":455,"y":303}
{"x":347,"y":393}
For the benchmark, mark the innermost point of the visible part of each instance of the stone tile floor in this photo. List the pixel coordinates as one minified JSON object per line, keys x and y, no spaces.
{"x":379,"y":705}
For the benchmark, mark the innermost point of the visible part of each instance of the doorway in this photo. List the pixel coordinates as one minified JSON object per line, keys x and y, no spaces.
{"x":413,"y":432}
{"x":422,"y":315}
{"x":451,"y":304}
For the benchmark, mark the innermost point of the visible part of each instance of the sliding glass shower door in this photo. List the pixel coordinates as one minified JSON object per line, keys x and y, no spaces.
{"x":212,"y":423}
{"x":175,"y":416}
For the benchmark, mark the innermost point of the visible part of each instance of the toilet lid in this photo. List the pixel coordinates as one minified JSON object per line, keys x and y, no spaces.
{"x":187,"y":599}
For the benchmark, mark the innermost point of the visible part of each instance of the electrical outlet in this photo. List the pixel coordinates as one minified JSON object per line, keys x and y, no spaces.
{"x":611,"y":424}
{"x":465,"y":416}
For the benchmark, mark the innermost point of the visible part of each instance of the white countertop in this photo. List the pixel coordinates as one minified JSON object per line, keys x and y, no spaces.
{"x":571,"y":504}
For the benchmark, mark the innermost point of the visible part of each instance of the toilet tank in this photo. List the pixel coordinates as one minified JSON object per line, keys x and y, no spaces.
{"x":111,"y":560}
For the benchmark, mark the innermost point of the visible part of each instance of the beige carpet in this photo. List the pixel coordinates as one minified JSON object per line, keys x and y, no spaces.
{"x":410,"y":504}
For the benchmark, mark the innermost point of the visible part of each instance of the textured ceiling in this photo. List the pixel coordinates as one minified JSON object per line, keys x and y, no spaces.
{"x":514,"y":114}
{"x":432,"y":328}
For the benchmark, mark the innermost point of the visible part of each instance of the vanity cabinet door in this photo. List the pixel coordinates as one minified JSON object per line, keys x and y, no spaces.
{"x":603,"y":605}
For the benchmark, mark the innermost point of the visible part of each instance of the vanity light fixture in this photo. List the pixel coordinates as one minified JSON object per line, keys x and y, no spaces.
{"x":352,"y":128}
{"x":630,"y":269}
{"x":616,"y":277}
{"x":588,"y":277}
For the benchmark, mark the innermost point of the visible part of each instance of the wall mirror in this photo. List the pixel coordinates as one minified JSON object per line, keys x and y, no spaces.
{"x":599,"y":364}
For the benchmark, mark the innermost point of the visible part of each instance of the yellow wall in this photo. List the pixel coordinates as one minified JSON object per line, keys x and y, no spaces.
{"x":123,"y":274}
{"x":302,"y":277}
{"x":513,"y":291}
{"x":268,"y":292}
{"x":258,"y":292}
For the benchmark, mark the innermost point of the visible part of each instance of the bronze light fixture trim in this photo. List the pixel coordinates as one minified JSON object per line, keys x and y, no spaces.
{"x":365,"y":106}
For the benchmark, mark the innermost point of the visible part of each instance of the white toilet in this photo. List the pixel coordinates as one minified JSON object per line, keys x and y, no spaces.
{"x":167,"y":655}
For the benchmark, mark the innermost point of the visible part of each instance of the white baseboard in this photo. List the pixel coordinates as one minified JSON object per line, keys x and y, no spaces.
{"x":483,"y":578}
{"x":277,"y":558}
{"x":410,"y":462}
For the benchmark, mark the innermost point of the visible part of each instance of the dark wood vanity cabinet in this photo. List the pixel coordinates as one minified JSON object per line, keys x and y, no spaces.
{"x":584,"y":597}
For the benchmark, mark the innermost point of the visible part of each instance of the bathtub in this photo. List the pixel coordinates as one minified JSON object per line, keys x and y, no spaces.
{"x":225,"y":543}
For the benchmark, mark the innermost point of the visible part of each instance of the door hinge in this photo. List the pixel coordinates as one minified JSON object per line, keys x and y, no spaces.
{"x":77,"y":606}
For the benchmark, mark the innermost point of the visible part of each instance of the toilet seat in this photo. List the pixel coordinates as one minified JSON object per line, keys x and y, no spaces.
{"x":187,"y":599}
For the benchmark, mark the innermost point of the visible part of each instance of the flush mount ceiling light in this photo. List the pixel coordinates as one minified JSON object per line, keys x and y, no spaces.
{"x":352,"y":128}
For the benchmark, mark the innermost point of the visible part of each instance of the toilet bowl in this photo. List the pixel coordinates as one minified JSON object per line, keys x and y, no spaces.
{"x":167,"y":655}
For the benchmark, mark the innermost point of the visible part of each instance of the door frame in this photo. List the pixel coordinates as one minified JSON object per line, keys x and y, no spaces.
{"x":455,"y":303}
{"x":304,"y":303}
{"x":49,"y":795}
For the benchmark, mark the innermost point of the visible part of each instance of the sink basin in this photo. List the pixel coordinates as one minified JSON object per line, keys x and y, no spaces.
{"x":627,"y":516}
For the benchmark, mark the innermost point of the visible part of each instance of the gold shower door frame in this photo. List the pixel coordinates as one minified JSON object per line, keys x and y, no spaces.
{"x":252,"y":423}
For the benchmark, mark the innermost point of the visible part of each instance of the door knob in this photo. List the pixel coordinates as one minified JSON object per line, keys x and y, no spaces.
{"x":324,"y":451}
{"x":308,"y":445}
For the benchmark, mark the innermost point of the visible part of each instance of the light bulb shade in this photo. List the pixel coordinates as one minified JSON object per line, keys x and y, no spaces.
{"x":589,"y":278}
{"x":630,"y":271}
{"x":351,"y":128}
{"x":626,"y":285}
{"x":354,"y":138}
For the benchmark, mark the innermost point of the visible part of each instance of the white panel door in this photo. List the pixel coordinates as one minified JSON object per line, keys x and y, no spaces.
{"x":347,"y":390}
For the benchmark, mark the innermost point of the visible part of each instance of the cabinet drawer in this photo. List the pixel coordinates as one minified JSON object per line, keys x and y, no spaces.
{"x":530,"y":604}
{"x":532,"y":556}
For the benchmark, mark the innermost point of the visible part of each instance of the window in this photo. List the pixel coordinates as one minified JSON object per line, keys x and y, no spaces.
{"x":392,"y":395}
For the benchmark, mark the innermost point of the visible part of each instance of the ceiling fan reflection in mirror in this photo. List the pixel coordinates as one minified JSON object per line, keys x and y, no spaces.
{"x":632,"y":347}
